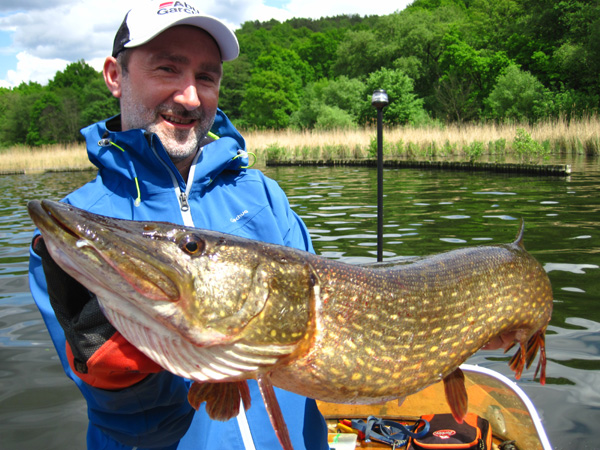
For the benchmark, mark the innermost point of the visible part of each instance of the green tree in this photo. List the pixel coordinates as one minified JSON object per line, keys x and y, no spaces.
{"x":76,"y":75}
{"x":17,"y":105}
{"x":97,"y":103}
{"x":517,"y":96}
{"x":45,"y":117}
{"x":319,"y":51}
{"x":355,"y":54}
{"x":236,"y":75}
{"x":404,"y":108}
{"x":269,"y":100}
{"x":288,"y":64}
{"x":330,"y":104}
{"x":468,"y":76}
{"x":412,"y":40}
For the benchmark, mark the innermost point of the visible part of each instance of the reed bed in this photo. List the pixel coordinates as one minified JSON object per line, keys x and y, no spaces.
{"x":22,"y":159}
{"x":468,"y":142}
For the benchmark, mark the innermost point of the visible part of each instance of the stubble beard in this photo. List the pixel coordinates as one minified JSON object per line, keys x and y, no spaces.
{"x":179,"y":144}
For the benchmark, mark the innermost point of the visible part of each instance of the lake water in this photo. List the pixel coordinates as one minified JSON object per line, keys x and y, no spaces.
{"x":426,"y":212}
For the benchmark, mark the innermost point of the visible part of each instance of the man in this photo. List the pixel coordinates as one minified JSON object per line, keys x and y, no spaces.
{"x":156,"y":161}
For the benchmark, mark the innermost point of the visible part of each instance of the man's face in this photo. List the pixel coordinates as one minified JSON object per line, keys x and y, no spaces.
{"x":171,"y":88}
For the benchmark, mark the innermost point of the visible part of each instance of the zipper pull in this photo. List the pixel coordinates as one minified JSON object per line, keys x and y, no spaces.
{"x":185,"y":206}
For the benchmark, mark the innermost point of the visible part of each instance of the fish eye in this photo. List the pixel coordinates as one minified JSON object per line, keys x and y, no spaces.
{"x":192,"y":245}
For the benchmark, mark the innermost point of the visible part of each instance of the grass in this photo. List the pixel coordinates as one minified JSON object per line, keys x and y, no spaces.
{"x":468,"y":142}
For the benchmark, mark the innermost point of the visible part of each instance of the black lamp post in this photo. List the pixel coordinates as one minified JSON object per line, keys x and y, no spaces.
{"x":380,"y":100}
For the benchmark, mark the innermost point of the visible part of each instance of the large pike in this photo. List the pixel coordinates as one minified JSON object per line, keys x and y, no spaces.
{"x":220,"y":309}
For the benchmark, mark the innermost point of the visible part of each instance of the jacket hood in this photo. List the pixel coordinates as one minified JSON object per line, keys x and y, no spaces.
{"x":139,"y":157}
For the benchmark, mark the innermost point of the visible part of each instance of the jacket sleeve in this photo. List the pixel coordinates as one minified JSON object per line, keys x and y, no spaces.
{"x":298,"y":235}
{"x":291,"y":227}
{"x":151,"y":414}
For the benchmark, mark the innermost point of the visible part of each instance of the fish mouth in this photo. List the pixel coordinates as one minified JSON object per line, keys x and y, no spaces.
{"x":80,"y":241}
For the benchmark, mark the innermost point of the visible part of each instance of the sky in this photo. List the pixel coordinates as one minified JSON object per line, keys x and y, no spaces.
{"x":40,"y":37}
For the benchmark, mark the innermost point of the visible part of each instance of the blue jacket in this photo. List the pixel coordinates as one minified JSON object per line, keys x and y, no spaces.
{"x":137,"y":180}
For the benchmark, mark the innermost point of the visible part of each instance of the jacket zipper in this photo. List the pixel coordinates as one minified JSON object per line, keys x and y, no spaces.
{"x":183,"y":201}
{"x":182,"y":196}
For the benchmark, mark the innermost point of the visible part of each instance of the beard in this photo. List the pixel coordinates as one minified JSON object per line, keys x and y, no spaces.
{"x":178,"y":143}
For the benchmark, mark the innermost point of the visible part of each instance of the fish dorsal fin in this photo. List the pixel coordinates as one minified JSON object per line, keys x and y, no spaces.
{"x":456,"y":394}
{"x":519,"y":239}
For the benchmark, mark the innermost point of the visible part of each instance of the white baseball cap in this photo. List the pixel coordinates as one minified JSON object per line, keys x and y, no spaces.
{"x":148,"y":19}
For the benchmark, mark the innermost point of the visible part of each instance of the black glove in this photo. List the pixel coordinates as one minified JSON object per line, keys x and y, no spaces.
{"x":97,"y":352}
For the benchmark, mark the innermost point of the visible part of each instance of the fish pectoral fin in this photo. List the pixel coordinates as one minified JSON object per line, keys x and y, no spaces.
{"x":274,"y":411}
{"x":456,"y":394}
{"x":222,"y":399}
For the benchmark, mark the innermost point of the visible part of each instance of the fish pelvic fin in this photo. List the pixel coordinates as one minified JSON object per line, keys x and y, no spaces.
{"x":222,"y":399}
{"x":274,"y":411}
{"x":527,"y":353}
{"x":456,"y":394}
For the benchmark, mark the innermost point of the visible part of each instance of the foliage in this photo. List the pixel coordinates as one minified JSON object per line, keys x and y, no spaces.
{"x":518,"y":95}
{"x":450,"y":61}
{"x":38,"y":115}
{"x":527,"y":149}
{"x":404,"y":105}
{"x":330,"y":104}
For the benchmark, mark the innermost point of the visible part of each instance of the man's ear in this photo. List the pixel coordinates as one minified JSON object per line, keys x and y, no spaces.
{"x":113,"y":73}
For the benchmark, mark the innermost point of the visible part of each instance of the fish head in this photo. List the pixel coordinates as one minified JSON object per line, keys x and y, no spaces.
{"x":208,"y":288}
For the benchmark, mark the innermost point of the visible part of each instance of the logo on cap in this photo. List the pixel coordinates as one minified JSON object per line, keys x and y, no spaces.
{"x":176,"y":7}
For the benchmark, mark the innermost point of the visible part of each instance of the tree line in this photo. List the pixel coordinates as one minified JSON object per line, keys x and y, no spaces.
{"x":446,"y":61}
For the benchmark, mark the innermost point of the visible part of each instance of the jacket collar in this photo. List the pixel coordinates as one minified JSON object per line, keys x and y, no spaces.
{"x":140,"y":156}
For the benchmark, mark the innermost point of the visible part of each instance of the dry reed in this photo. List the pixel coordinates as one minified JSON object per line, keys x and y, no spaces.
{"x":459,"y":142}
{"x":21,"y":159}
{"x":462,"y":142}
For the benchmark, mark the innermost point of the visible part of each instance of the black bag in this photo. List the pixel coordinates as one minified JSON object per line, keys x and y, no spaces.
{"x":388,"y":432}
{"x":444,"y":432}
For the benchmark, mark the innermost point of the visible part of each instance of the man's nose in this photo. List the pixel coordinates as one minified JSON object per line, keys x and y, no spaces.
{"x":188,"y":97}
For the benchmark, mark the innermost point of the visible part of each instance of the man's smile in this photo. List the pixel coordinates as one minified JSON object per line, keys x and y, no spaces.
{"x":178,"y":120}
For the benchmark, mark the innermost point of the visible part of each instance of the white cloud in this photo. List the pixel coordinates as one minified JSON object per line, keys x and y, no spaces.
{"x":47,"y":31}
{"x":32,"y":68}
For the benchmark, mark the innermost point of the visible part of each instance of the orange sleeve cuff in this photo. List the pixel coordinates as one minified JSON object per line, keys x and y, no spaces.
{"x":115,"y":365}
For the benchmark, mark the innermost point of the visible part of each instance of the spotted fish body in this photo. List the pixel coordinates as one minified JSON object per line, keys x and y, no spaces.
{"x":384,"y":333}
{"x":221,"y":309}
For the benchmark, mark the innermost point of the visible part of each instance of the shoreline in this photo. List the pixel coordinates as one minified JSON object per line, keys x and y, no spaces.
{"x":469,"y":144}
{"x":470,"y":166}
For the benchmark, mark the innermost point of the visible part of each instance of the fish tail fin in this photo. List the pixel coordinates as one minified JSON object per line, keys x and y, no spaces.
{"x":222,"y":399}
{"x":527,"y":353}
{"x":456,"y":394}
